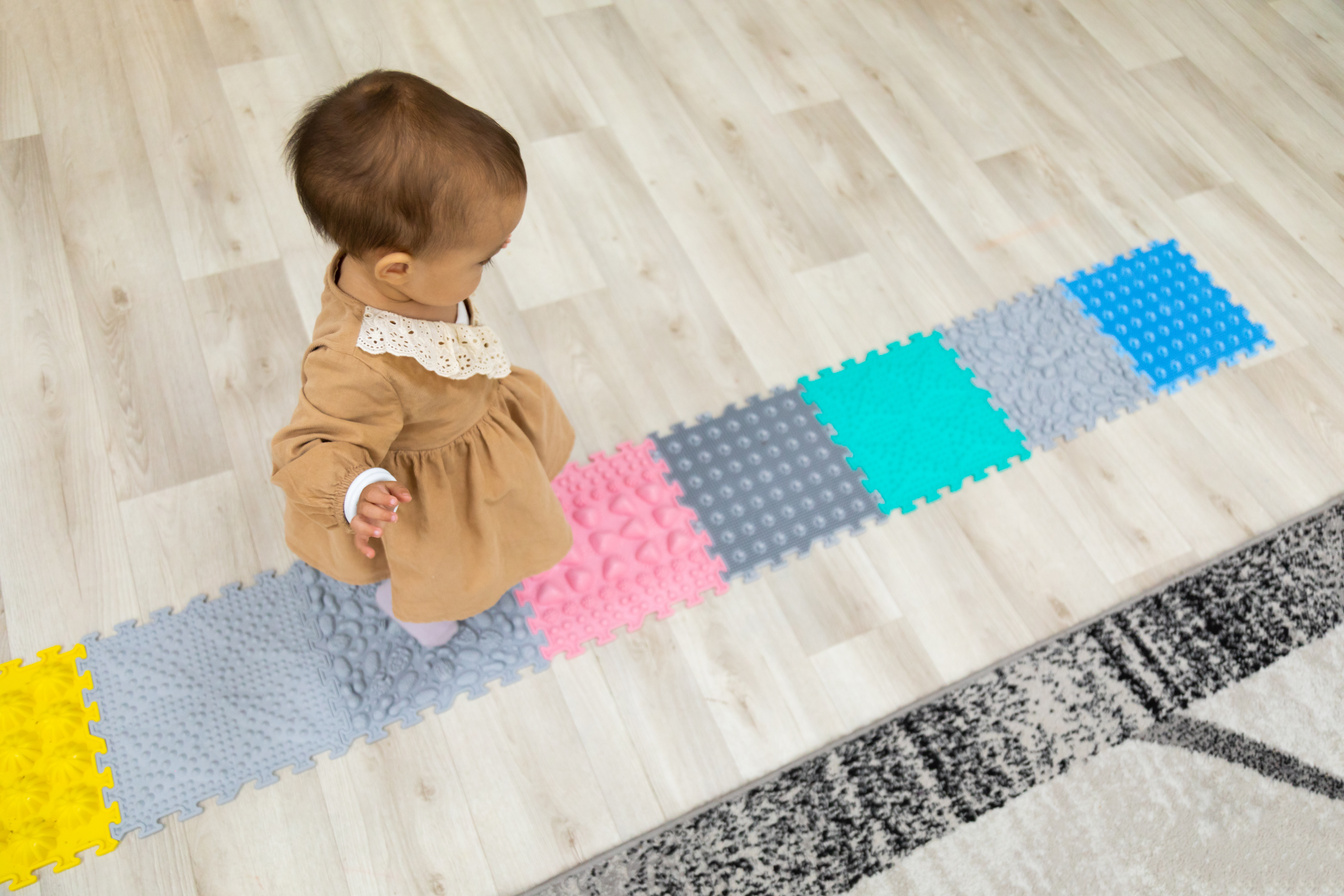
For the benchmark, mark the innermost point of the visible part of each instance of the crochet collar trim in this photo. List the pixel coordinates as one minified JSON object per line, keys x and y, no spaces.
{"x":454,"y":351}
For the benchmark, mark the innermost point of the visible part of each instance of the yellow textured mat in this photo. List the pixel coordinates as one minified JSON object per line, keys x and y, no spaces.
{"x":51,"y":792}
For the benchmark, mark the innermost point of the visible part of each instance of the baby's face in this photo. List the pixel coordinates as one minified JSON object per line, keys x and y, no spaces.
{"x":443,"y":279}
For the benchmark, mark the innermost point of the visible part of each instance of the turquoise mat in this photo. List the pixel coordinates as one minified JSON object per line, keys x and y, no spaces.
{"x":914,"y":421}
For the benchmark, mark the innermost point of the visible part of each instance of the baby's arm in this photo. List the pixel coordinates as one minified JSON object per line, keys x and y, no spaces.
{"x":347,"y":418}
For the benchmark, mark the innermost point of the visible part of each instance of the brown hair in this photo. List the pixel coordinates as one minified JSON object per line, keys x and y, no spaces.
{"x":389,"y":161}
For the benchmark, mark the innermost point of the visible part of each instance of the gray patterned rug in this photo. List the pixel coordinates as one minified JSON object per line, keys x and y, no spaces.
{"x":1191,"y":741}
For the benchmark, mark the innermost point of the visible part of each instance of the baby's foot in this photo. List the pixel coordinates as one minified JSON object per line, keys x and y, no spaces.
{"x":429,"y":634}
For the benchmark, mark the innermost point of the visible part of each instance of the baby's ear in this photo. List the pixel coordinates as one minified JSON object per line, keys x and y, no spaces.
{"x":393,"y":267}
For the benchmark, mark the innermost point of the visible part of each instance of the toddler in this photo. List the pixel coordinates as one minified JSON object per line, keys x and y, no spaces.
{"x":417,"y":456}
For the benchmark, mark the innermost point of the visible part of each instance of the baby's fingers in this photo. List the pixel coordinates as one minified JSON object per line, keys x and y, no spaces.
{"x":376,"y":513}
{"x":364,"y":530}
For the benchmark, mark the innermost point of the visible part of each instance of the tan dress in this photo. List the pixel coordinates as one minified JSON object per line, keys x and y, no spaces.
{"x":475,"y":441}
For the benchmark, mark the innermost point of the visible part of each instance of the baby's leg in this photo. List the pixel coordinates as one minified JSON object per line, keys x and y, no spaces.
{"x":429,"y":634}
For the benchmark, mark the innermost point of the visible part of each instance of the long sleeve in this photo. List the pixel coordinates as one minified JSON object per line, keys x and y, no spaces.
{"x":347,"y":417}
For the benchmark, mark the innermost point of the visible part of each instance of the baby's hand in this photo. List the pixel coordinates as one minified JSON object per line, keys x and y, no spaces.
{"x":377,"y":505}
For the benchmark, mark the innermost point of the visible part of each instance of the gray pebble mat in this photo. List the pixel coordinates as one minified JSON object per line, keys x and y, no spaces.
{"x":1047,"y":365}
{"x":196,"y":704}
{"x":767,"y":481}
{"x":382,"y":675}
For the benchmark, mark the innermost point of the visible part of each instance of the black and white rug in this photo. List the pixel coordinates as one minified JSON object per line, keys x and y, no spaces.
{"x":1189,"y":742}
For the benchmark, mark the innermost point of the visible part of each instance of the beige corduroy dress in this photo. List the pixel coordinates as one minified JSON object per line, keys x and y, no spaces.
{"x":439,"y":407}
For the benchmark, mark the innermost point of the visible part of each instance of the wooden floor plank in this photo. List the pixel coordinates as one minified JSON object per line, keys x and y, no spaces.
{"x":548,"y":259}
{"x":772,"y":56}
{"x":266,"y":98}
{"x":1126,"y":35}
{"x":159,"y":420}
{"x":207,"y":192}
{"x":1292,"y":56}
{"x":63,"y":561}
{"x":252,"y":341}
{"x":1277,"y":88}
{"x":1116,"y":187}
{"x":859,"y":599}
{"x":278,"y":839}
{"x":1322,"y":21}
{"x":1261,"y":167}
{"x":1070,"y":229}
{"x":245,"y":30}
{"x":188,"y":540}
{"x":779,"y":190}
{"x":532,"y":794}
{"x":1241,"y":422}
{"x":663,"y":302}
{"x":694,"y":196}
{"x":870,"y":674}
{"x":1119,"y":108}
{"x":1267,"y":270}
{"x":1094,"y":487}
{"x":962,"y":619}
{"x":1206,"y":502}
{"x":400,"y":818}
{"x":957,"y":87}
{"x":548,"y":96}
{"x":928,"y":157}
{"x":924,"y":267}
{"x":688,"y":763}
{"x":1044,"y":570}
{"x":624,"y":783}
{"x":18,"y":116}
{"x":764,"y":695}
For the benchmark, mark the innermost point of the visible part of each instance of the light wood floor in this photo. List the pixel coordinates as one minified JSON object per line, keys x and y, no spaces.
{"x":726,"y":194}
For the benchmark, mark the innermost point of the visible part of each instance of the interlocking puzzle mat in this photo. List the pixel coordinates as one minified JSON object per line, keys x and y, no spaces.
{"x":766,"y":481}
{"x":51,"y":791}
{"x":193,"y":705}
{"x":914,"y":420}
{"x":383,"y":675}
{"x":635,"y":553}
{"x":1167,"y":315}
{"x":196,"y":704}
{"x":1047,"y":365}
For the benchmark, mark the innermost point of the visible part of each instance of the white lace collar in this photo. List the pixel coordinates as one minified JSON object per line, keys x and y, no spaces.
{"x":454,"y":351}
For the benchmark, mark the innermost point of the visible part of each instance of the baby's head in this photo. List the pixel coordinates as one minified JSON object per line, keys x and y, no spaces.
{"x":421,"y":189}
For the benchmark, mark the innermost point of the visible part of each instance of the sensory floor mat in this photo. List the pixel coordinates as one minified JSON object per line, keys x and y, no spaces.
{"x":198,"y":703}
{"x":192,"y":705}
{"x":51,"y":791}
{"x":1169,"y":318}
{"x":766,"y":481}
{"x":635,"y":553}
{"x":1047,"y":365}
{"x":914,"y":421}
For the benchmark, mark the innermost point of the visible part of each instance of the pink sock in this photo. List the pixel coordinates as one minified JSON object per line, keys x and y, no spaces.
{"x":429,"y":634}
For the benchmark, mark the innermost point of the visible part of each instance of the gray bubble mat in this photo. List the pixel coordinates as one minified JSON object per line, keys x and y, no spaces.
{"x":766,"y":480}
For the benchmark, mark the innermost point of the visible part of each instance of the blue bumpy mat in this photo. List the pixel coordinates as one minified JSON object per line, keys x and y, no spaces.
{"x":1169,"y":318}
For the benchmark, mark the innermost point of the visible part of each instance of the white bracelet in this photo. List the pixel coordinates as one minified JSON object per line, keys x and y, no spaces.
{"x":363,"y":481}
